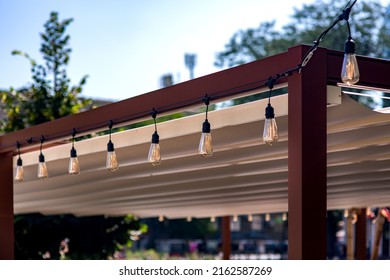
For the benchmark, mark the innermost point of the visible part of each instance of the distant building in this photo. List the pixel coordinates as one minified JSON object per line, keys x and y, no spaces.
{"x":166,"y":80}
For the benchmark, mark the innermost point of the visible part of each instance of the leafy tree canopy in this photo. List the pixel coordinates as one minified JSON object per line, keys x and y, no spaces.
{"x":69,"y":237}
{"x":50,"y":96}
{"x":368,"y":27}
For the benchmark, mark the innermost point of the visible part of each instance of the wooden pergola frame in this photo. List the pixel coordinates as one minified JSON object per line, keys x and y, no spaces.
{"x":306,"y":133}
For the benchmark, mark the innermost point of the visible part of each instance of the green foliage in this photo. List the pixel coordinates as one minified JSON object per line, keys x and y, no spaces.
{"x":181,"y":229}
{"x":97,"y":237}
{"x":153,"y":255}
{"x":50,"y":96}
{"x":367,"y":21}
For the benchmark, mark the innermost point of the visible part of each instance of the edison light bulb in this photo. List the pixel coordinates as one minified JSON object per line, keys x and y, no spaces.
{"x":235,"y":219}
{"x":74,"y":167}
{"x":161,"y":218}
{"x":250,"y":218}
{"x":350,"y":71}
{"x":270,"y":134}
{"x":154,"y":156}
{"x":267,"y":217}
{"x":206,"y":145}
{"x":189,"y":219}
{"x":111,"y":161}
{"x":19,"y":175}
{"x":212,"y":219}
{"x":42,"y":168}
{"x":284,"y":217}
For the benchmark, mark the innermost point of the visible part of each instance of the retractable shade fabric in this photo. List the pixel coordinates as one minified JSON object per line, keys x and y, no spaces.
{"x":243,"y":176}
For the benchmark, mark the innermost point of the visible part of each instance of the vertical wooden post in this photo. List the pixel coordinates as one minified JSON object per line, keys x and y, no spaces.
{"x":6,"y":207}
{"x":350,"y":234}
{"x":226,"y":237}
{"x":361,"y":235}
{"x":307,"y":156}
{"x":380,"y":221}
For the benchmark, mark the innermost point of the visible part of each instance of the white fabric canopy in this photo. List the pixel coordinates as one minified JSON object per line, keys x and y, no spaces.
{"x":243,"y":176}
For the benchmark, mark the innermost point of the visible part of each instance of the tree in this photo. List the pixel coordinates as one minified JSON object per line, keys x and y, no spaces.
{"x":368,"y":26}
{"x":49,"y":97}
{"x":70,"y":237}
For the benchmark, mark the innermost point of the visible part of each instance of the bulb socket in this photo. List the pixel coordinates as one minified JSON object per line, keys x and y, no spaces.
{"x":206,"y":128}
{"x":19,"y":162}
{"x":41,"y":158}
{"x":110,"y":146}
{"x":155,"y":138}
{"x":73,"y":152}
{"x":349,"y":46}
{"x":269,"y":112}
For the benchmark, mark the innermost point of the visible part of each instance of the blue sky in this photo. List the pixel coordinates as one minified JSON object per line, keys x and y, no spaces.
{"x":125,"y":46}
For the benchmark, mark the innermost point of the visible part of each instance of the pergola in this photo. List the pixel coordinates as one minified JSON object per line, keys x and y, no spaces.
{"x":328,"y":157}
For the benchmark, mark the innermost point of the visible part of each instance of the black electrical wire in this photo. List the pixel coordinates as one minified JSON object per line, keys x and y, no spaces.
{"x":344,"y":15}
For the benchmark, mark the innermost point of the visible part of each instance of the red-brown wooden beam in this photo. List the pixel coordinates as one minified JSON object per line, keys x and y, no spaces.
{"x":307,"y":157}
{"x":6,"y":207}
{"x":361,"y":235}
{"x":217,"y":86}
{"x":226,"y":238}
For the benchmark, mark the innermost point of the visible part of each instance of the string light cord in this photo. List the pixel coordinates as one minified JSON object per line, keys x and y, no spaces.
{"x":18,"y":146}
{"x":74,"y":132}
{"x":42,"y":141}
{"x":206,"y":101}
{"x":110,"y":125}
{"x":344,"y":15}
{"x":154,"y":116}
{"x":270,"y":84}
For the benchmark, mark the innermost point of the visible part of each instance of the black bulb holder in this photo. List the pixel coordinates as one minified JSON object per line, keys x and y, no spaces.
{"x":349,"y":46}
{"x":110,"y":146}
{"x":41,"y":158}
{"x":154,"y":113}
{"x":206,"y":100}
{"x":19,"y":161}
{"x":269,"y":112}
{"x":206,"y":127}
{"x":155,"y":138}
{"x":73,"y":153}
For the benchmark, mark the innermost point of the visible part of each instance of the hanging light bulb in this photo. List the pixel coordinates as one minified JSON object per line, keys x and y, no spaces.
{"x":284,"y":217}
{"x":19,"y":174}
{"x":74,"y":167}
{"x":267,"y":217}
{"x":354,"y":218}
{"x":350,"y":71}
{"x":154,"y":156}
{"x":270,"y":133}
{"x":161,"y":218}
{"x":189,"y":219}
{"x":235,"y":219}
{"x":42,"y":168}
{"x":205,"y":144}
{"x":212,"y":219}
{"x":346,"y":213}
{"x":111,"y":161}
{"x":250,"y":218}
